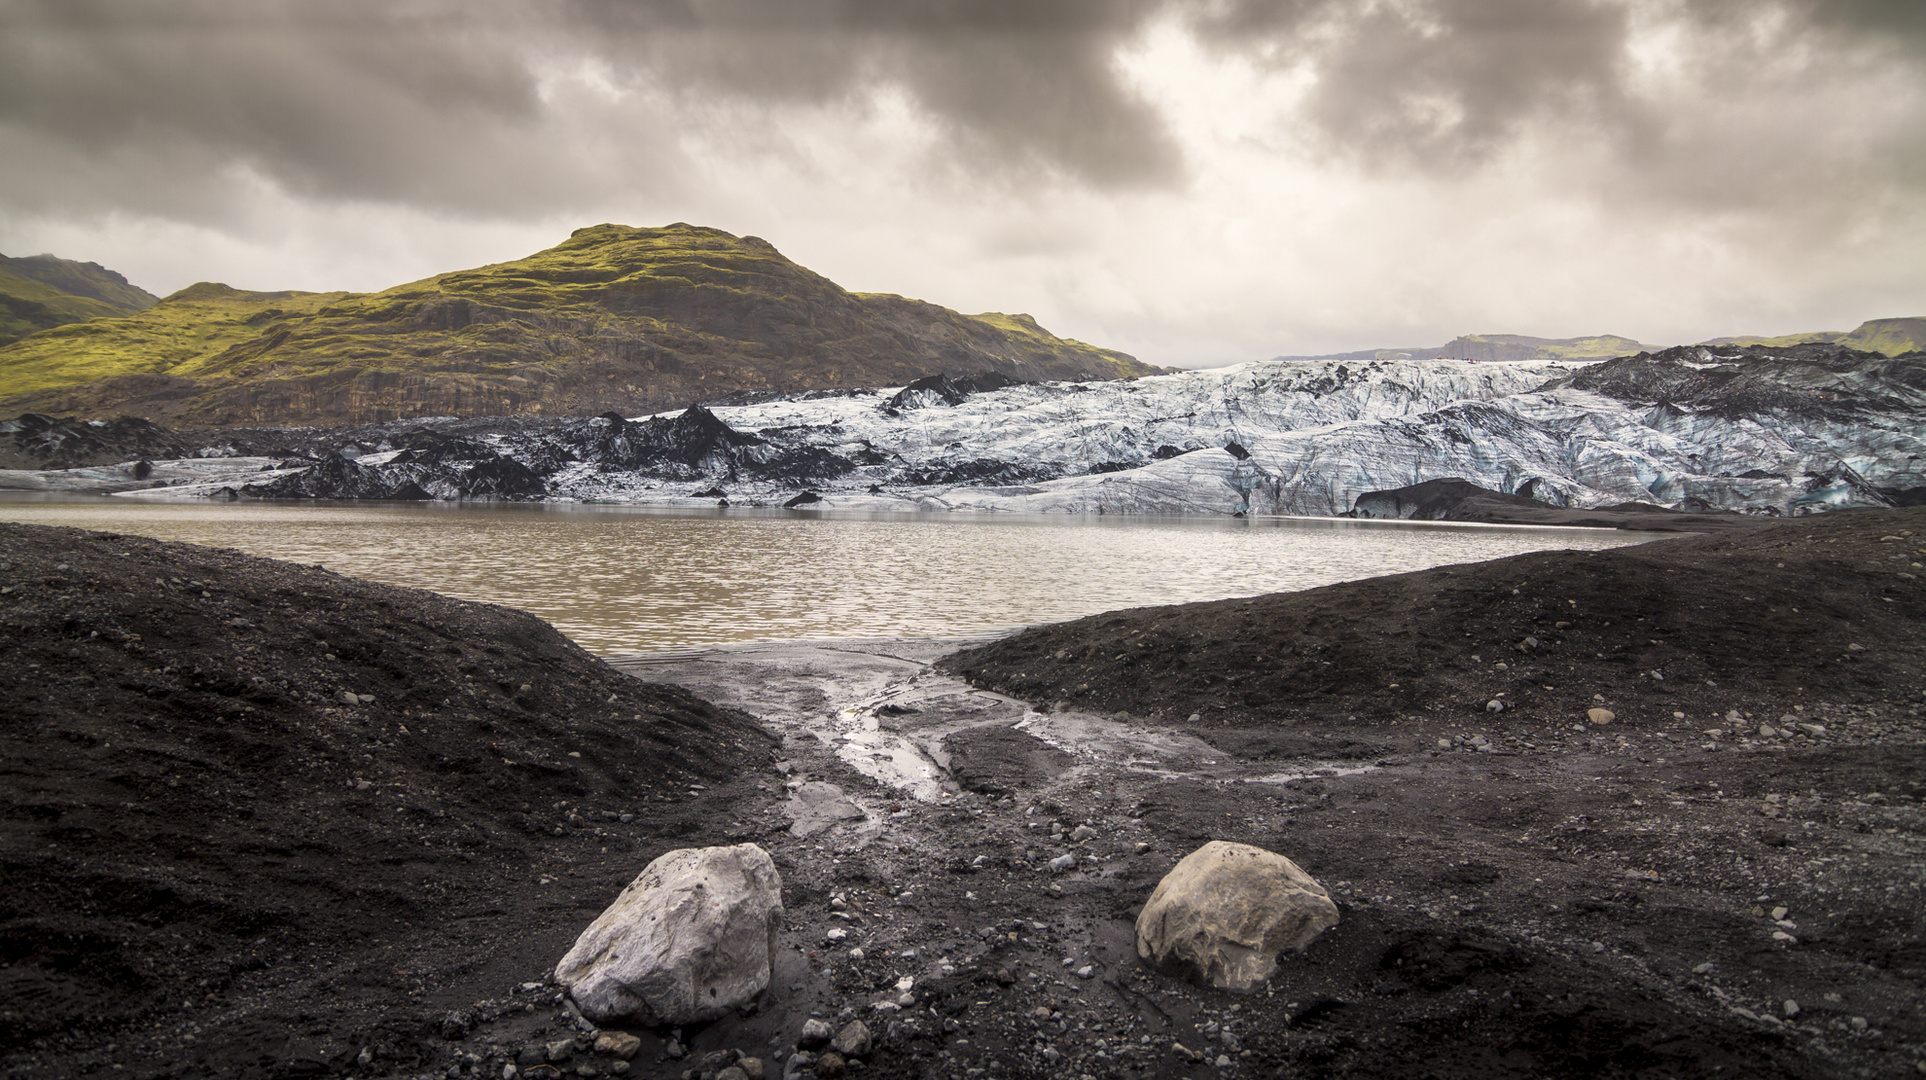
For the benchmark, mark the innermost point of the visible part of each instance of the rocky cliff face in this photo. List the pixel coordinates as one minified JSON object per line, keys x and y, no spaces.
{"x":614,"y":319}
{"x":1696,"y":429}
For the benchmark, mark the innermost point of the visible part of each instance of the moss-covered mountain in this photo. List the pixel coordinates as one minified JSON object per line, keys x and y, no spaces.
{"x":40,"y":292}
{"x":615,"y":319}
{"x":1889,"y":336}
{"x":1505,"y":347}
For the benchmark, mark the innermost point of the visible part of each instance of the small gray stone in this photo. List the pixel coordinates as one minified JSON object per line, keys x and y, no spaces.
{"x":560,"y":1050}
{"x":617,"y":1044}
{"x":1082,"y":832}
{"x":853,"y":1041}
{"x":831,"y":1065}
{"x":815,"y":1033}
{"x":456,"y":1025}
{"x":1063,"y":863}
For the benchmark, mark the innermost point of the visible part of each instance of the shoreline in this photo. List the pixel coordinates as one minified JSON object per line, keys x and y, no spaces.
{"x":1658,"y":521}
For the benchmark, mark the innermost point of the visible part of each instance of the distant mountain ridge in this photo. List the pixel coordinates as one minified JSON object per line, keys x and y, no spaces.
{"x":1508,"y":348}
{"x":614,"y":319}
{"x":40,"y":292}
{"x":1888,"y":336}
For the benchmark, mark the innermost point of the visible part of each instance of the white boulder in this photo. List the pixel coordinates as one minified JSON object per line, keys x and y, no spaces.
{"x":1227,"y":910}
{"x":692,"y":937}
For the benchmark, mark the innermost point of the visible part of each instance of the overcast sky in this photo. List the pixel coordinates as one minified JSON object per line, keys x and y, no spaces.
{"x":1197,"y":182}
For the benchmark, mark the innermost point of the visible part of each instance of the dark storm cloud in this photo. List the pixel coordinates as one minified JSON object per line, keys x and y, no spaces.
{"x":1446,"y":83}
{"x":467,"y":106}
{"x":1025,"y":84}
{"x":441,"y":104}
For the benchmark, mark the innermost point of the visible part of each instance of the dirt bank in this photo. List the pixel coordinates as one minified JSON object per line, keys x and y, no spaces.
{"x":258,"y":814}
{"x":1786,"y":611}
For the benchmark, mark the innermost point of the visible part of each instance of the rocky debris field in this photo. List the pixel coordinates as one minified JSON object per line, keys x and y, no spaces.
{"x":1718,"y":872}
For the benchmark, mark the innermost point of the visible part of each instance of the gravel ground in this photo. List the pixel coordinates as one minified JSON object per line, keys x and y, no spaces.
{"x":1723,"y":877}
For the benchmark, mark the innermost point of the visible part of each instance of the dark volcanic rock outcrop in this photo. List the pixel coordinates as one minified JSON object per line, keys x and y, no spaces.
{"x":1813,"y":381}
{"x":694,"y":439}
{"x":33,"y":441}
{"x":442,"y":469}
{"x":1433,"y":500}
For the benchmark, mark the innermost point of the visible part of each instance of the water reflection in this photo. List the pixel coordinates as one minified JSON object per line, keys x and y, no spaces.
{"x":628,"y":579}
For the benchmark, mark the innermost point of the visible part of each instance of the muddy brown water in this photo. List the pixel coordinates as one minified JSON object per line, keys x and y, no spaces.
{"x":625,"y":580}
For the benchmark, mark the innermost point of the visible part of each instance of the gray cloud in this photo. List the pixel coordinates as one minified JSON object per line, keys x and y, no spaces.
{"x":1141,"y":164}
{"x":1444,"y":84}
{"x":443,"y":105}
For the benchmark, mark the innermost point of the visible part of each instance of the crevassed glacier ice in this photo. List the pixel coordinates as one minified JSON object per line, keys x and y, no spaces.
{"x":1691,"y":428}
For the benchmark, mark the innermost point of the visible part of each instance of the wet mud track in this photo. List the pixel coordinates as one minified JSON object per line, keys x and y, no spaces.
{"x":1572,"y":899}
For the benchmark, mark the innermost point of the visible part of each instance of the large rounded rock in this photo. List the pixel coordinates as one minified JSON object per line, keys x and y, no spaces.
{"x":692,"y":937}
{"x":1225,"y":912}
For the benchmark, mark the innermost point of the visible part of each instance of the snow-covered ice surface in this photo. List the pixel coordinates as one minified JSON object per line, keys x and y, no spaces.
{"x":1690,"y":428}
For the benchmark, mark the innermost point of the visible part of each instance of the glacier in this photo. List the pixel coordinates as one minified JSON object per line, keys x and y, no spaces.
{"x":1693,"y":428}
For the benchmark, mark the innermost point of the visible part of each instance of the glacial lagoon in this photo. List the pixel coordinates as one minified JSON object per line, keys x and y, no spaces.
{"x":626,"y":580}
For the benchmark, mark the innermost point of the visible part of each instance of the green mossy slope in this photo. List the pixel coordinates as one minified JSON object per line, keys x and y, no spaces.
{"x":613,"y":319}
{"x":1515,"y":347}
{"x":1888,"y":336}
{"x":40,"y":292}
